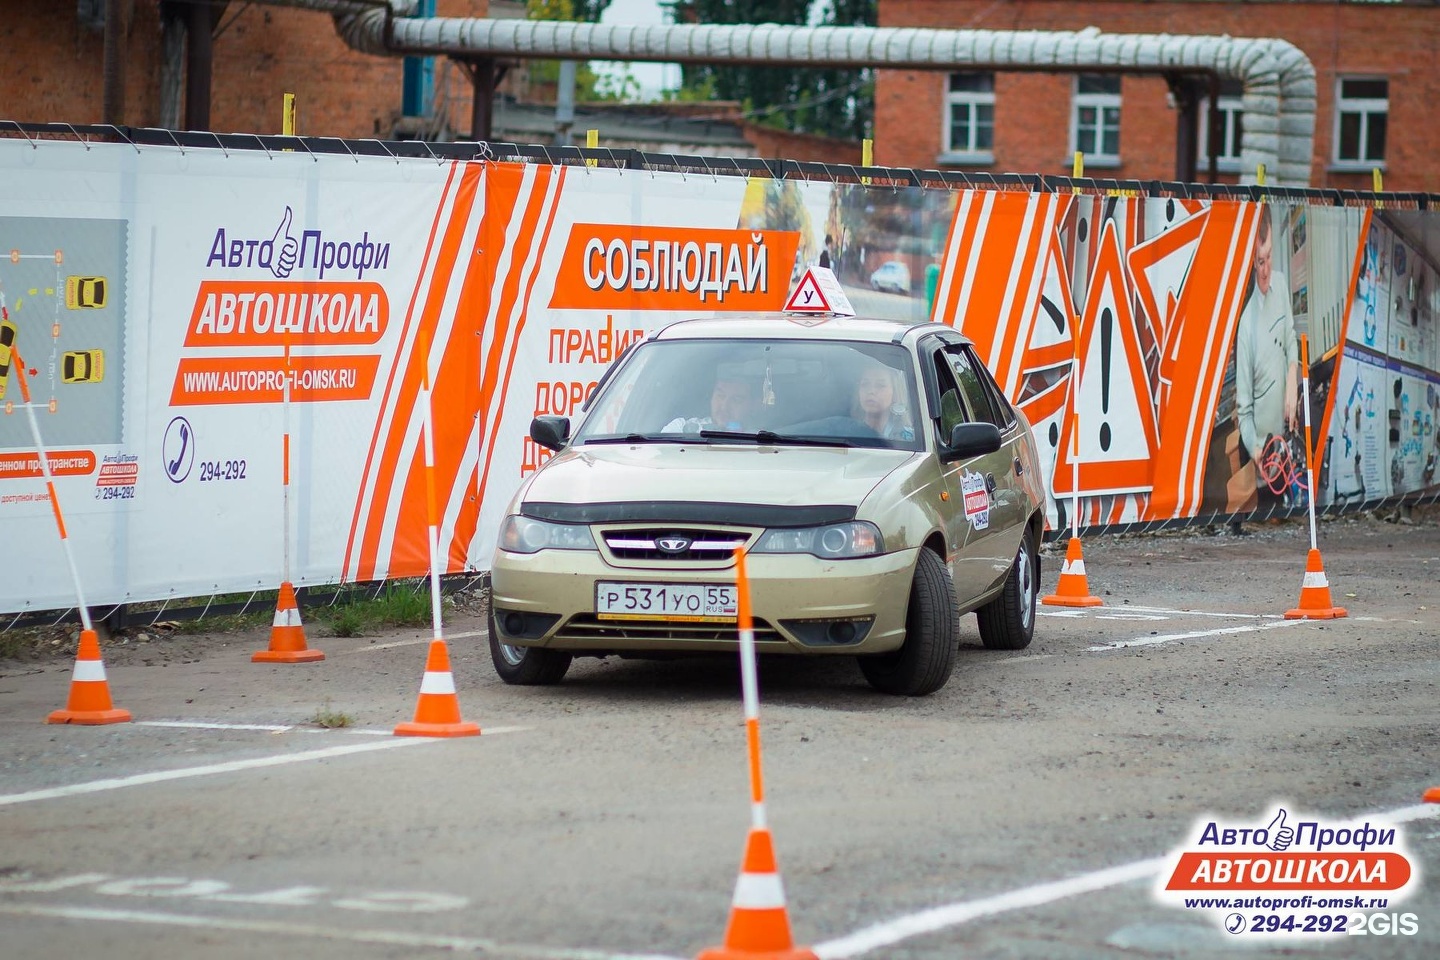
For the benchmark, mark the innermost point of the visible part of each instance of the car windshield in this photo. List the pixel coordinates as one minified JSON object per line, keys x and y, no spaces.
{"x":810,"y":392}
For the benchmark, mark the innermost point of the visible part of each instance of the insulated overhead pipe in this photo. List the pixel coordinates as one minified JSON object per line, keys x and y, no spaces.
{"x":1278,"y":79}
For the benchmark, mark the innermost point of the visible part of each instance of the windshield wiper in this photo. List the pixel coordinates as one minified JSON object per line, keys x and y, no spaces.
{"x":767,"y":436}
{"x":640,"y":438}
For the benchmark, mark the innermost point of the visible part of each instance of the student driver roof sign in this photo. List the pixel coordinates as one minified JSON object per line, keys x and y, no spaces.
{"x":819,"y":291}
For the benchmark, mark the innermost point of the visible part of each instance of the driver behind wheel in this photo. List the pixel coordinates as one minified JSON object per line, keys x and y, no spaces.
{"x":734,"y":405}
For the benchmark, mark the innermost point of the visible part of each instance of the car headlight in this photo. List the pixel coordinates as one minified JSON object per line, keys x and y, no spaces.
{"x":523,"y":535}
{"x":837,"y":541}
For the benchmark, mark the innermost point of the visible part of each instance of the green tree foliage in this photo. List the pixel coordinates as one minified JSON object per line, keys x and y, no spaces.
{"x":588,"y":86}
{"x":589,"y":10}
{"x":833,"y":102}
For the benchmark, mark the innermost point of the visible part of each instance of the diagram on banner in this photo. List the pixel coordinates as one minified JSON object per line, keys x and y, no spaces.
{"x":62,"y":290}
{"x":1117,"y":436}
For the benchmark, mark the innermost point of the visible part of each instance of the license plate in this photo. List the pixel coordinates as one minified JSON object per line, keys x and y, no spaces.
{"x":682,"y":602}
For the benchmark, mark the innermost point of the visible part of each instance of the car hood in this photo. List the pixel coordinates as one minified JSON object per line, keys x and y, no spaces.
{"x":718,"y":473}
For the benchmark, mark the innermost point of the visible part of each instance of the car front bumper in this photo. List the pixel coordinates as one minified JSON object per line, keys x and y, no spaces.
{"x":800,"y":604}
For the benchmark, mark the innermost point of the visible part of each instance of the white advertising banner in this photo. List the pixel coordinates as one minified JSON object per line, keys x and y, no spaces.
{"x":149,"y":298}
{"x":154,"y":294}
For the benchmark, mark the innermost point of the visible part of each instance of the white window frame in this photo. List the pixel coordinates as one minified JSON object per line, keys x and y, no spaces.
{"x":1231,"y":109}
{"x":1101,"y":102}
{"x":1365,"y":107}
{"x":968,"y":153}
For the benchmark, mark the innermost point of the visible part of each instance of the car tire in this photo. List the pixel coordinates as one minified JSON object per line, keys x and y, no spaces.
{"x":526,"y":666}
{"x":1008,"y":621}
{"x":932,"y":624}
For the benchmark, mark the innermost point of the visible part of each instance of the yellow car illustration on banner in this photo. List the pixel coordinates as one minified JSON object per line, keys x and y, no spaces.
{"x":83,"y":366}
{"x":8,"y":332}
{"x":85,"y":293}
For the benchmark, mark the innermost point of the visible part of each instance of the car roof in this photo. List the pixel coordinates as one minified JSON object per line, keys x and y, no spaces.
{"x":800,"y":326}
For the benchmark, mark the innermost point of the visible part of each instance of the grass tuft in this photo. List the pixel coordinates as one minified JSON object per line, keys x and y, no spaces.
{"x":331,"y":719}
{"x":349,"y":620}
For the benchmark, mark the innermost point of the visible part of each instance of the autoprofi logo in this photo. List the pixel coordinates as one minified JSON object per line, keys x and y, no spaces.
{"x":282,"y":254}
{"x":1292,"y":875}
{"x":235,"y":321}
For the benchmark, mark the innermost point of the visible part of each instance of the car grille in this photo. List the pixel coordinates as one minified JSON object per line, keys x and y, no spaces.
{"x":590,"y":627}
{"x":669,"y":543}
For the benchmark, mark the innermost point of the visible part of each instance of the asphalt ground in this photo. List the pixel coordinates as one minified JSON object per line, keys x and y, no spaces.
{"x":1022,"y":811}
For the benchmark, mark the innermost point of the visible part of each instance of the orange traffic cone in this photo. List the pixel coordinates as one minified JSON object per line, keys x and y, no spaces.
{"x":437,"y":714}
{"x":89,"y":690}
{"x":1315,"y":603}
{"x":1073,"y":590}
{"x":287,"y":636}
{"x":1432,"y":795}
{"x":759,"y":926}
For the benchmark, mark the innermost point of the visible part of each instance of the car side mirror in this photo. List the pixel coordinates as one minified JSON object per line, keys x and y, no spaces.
{"x":971,"y":440}
{"x":552,"y":433}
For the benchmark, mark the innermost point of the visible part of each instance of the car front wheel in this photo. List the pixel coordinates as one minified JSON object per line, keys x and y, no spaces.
{"x":923,"y":663}
{"x":1008,"y":621}
{"x":526,"y":666}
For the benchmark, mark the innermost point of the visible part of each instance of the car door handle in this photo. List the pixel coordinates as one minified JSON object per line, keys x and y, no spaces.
{"x":1019,"y":467}
{"x":990,"y":482}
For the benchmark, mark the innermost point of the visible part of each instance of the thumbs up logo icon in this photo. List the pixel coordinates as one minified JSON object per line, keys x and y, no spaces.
{"x":286,"y":249}
{"x":1281,"y":836}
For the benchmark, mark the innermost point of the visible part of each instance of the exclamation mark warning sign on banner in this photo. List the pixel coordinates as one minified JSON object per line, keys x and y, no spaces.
{"x":1117,"y":436}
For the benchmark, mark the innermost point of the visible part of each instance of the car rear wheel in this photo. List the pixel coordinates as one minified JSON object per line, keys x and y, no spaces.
{"x":1008,"y":621}
{"x":923,"y":663}
{"x":526,"y":666}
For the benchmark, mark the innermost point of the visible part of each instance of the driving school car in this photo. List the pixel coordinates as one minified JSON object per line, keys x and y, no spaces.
{"x":876,"y":477}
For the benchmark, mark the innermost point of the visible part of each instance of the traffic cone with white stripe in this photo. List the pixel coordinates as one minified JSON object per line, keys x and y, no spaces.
{"x":287,"y":636}
{"x":1073,"y":590}
{"x":759,"y":926}
{"x":89,"y":690}
{"x":437,"y":714}
{"x":1315,"y":603}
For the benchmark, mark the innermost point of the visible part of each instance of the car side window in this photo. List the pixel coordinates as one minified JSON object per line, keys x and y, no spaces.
{"x":952,"y":411}
{"x":1004,"y":412}
{"x":976,"y":397}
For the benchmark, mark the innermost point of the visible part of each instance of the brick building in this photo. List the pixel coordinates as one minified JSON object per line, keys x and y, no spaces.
{"x":53,"y":72}
{"x":53,"y":68}
{"x":1377,"y":74}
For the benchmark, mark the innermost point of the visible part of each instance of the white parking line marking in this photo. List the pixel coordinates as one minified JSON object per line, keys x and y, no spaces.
{"x":1023,"y":658}
{"x":1219,"y":615}
{"x":205,"y":725}
{"x":140,"y":779}
{"x":418,"y":640}
{"x":387,"y":937}
{"x":954,"y":914}
{"x":1195,"y":634}
{"x":283,"y":728}
{"x":1112,"y":613}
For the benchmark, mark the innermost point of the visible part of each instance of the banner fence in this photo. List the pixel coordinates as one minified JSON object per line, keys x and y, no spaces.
{"x":150,"y":279}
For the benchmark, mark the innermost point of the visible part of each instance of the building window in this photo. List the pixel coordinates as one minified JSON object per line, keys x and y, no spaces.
{"x":1362,"y":109}
{"x":970,"y":118}
{"x":1230,"y":126}
{"x":1095,"y":121}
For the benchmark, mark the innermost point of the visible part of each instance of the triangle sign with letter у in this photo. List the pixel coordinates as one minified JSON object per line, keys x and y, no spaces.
{"x":819,"y":291}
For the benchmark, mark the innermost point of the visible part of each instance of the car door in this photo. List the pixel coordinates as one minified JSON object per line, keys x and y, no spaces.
{"x":993,"y":544}
{"x":970,"y":520}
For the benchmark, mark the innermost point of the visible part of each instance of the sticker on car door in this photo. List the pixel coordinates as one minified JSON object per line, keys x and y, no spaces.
{"x":976,"y":499}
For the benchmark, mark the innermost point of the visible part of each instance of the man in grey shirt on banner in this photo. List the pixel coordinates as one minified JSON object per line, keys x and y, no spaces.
{"x":1267,"y":357}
